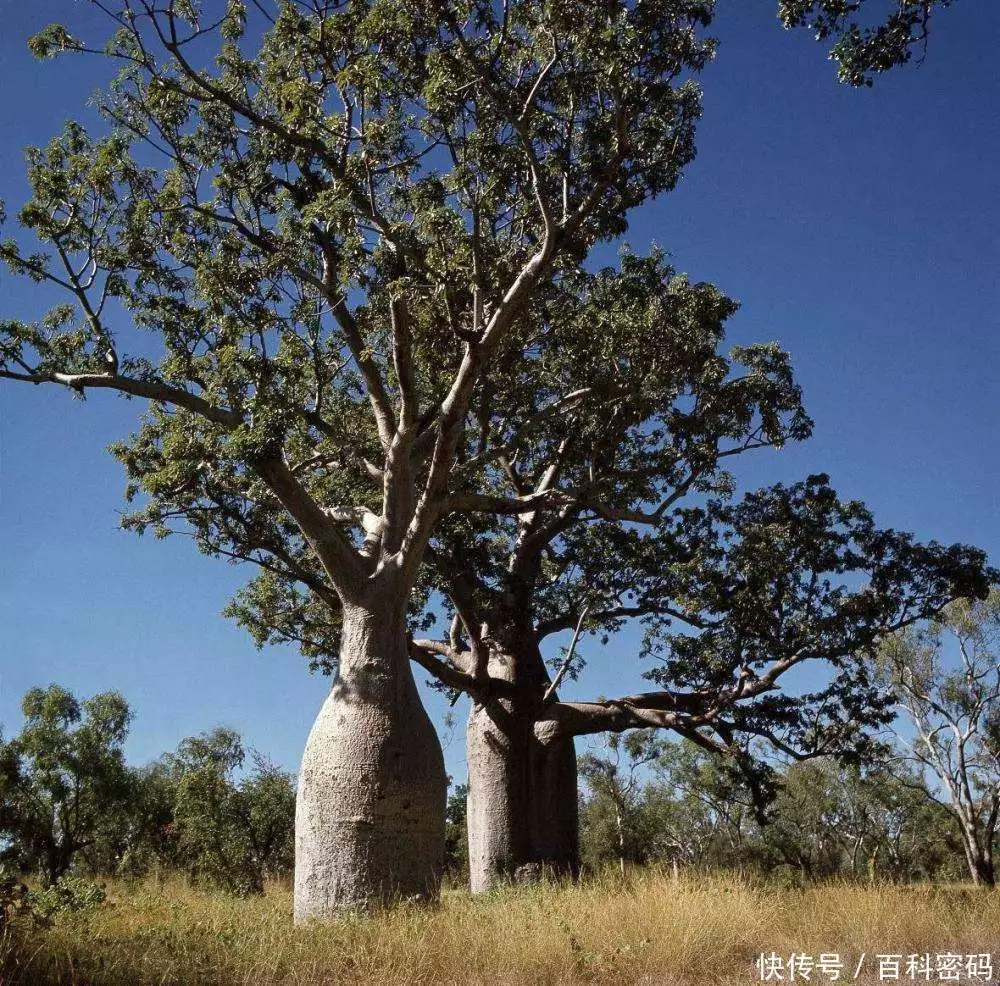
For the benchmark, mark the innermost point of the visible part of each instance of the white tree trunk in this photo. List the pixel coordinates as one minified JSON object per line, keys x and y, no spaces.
{"x":369,"y":819}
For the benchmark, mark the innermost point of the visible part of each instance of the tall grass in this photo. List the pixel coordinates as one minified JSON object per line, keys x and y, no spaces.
{"x":646,"y":929}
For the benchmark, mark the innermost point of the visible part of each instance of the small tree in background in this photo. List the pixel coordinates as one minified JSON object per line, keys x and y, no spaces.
{"x":613,"y":815}
{"x":947,"y":675}
{"x":146,"y":838}
{"x":702,"y":810}
{"x":232,"y":833}
{"x":456,"y":837}
{"x":63,"y":779}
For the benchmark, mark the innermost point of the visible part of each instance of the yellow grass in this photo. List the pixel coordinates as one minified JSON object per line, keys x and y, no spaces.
{"x":648,"y":929}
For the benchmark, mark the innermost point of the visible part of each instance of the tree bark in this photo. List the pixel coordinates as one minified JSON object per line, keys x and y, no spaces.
{"x":522,"y":803}
{"x":980,"y":863}
{"x":369,"y":819}
{"x":983,"y":874}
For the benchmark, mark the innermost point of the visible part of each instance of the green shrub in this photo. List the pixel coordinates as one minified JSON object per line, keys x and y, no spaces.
{"x":69,"y":894}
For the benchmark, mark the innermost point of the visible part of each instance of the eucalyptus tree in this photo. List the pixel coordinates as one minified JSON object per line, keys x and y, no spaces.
{"x":63,"y":779}
{"x":615,"y":777}
{"x":234,"y":833}
{"x":324,"y":238}
{"x":827,"y":819}
{"x":831,"y":820}
{"x":947,"y":677}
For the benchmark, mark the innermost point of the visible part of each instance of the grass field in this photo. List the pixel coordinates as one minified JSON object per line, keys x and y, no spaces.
{"x":648,"y":929}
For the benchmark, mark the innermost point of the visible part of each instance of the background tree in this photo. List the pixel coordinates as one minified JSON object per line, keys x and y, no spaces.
{"x":145,"y":838}
{"x":692,"y":808}
{"x":857,"y":822}
{"x":947,"y":675}
{"x":63,"y":778}
{"x":702,"y":810}
{"x":234,"y":833}
{"x":456,"y":835}
{"x":614,"y":778}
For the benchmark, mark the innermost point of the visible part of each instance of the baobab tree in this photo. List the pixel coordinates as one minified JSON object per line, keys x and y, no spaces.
{"x":588,"y":431}
{"x":325,"y":221}
{"x":342,"y":229}
{"x":735,"y":597}
{"x":591,"y":521}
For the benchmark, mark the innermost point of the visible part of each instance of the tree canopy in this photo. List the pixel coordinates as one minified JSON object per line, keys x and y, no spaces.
{"x":62,"y":777}
{"x":330,"y":231}
{"x":348,"y":228}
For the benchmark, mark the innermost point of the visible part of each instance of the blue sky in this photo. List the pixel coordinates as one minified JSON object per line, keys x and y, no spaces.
{"x":858,"y":228}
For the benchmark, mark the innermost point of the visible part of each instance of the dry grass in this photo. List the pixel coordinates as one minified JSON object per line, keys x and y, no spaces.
{"x":648,"y":929}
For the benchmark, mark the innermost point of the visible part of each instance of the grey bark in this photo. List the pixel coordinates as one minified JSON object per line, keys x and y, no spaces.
{"x":369,"y":819}
{"x":522,"y":803}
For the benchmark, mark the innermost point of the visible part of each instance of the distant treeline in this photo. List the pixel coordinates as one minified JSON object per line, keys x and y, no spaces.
{"x":212,"y":809}
{"x":653,"y":801}
{"x":222,"y":814}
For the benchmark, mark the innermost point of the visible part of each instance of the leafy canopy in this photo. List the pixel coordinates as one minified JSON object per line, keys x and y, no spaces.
{"x":346,"y":226}
{"x":62,"y":778}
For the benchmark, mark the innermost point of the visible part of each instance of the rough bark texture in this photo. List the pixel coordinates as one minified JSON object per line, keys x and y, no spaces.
{"x":522,"y":804}
{"x":369,"y":820}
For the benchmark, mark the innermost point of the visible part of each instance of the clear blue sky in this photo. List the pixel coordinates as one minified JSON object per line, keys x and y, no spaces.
{"x":859,"y":228}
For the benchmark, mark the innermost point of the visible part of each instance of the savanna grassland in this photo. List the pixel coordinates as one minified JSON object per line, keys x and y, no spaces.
{"x":648,"y":929}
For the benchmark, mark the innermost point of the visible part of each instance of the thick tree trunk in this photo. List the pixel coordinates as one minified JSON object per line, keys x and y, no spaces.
{"x":522,"y":804}
{"x":369,"y":819}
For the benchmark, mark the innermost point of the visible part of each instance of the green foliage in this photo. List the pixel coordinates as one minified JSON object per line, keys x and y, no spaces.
{"x":456,"y":834}
{"x":863,"y":50}
{"x":70,"y":801}
{"x":63,"y":778}
{"x":69,"y":894}
{"x":50,"y":41}
{"x":417,"y":159}
{"x":829,"y":821}
{"x":146,"y":837}
{"x":231,"y":833}
{"x":786,"y":575}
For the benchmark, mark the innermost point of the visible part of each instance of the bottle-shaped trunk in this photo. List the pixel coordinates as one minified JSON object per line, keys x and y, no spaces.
{"x":369,"y":819}
{"x":522,"y":803}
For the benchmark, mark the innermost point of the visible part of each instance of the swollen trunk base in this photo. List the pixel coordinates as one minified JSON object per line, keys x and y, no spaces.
{"x":369,"y":820}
